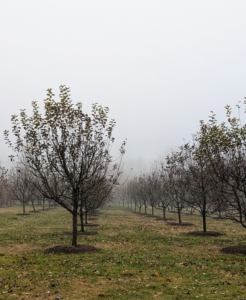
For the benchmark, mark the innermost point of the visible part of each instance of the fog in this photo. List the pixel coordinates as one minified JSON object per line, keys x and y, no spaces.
{"x":160,"y":66}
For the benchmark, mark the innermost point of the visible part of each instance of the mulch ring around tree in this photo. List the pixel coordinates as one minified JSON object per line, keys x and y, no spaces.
{"x":80,"y":249}
{"x":180,"y":224}
{"x":81,"y":232}
{"x":161,"y":219}
{"x":219,"y":218}
{"x":23,"y":214}
{"x":149,"y":216}
{"x":234,"y":250}
{"x":202,"y":233}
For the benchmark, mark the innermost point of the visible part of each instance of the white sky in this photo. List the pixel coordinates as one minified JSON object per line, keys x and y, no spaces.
{"x":160,"y":66}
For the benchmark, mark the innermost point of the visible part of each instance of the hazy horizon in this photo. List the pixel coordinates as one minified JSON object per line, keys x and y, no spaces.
{"x":160,"y":66}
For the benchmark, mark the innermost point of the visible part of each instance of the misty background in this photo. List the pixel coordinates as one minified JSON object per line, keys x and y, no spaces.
{"x":160,"y":66}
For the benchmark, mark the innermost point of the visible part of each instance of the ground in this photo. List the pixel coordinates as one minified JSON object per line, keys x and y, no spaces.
{"x":135,"y":258}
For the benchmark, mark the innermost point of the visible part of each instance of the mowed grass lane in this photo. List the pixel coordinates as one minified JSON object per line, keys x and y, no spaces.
{"x":139,"y":258}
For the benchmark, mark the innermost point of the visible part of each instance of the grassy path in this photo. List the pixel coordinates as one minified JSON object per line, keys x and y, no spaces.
{"x":140,"y":258}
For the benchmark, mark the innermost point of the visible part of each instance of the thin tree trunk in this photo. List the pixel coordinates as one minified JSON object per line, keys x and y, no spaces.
{"x":74,"y":240}
{"x":86,"y":217}
{"x":33,"y":205}
{"x":179,"y":215}
{"x":24,"y":207}
{"x":152,"y":210}
{"x":82,"y":228}
{"x":204,"y":221}
{"x":164,"y":213}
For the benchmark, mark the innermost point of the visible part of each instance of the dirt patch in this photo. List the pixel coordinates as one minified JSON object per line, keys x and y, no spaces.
{"x":202,"y":233}
{"x":90,"y":224}
{"x":161,"y":219}
{"x":219,"y":218}
{"x":92,"y":219}
{"x":81,"y":233}
{"x":80,"y":249}
{"x":23,"y":214}
{"x":180,"y":224}
{"x":234,"y":250}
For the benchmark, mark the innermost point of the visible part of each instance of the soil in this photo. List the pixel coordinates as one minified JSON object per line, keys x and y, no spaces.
{"x":202,"y":233}
{"x":23,"y":214}
{"x":219,"y":218}
{"x":90,"y":224}
{"x":81,"y":233}
{"x":167,"y":219}
{"x":180,"y":224}
{"x":92,"y":219}
{"x":72,"y":250}
{"x":234,"y":250}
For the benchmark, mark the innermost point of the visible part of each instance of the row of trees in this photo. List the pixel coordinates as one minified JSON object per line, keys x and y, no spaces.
{"x":207,"y":175}
{"x":65,"y":154}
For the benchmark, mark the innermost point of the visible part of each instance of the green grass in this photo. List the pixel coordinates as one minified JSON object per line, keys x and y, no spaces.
{"x":140,"y":258}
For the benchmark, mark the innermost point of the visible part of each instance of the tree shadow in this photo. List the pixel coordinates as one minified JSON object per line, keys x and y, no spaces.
{"x":80,"y":249}
{"x":202,"y":233}
{"x":234,"y":250}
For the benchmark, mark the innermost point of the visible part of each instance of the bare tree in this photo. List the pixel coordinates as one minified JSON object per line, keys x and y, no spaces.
{"x":20,"y":186}
{"x":4,"y":199}
{"x":64,"y":148}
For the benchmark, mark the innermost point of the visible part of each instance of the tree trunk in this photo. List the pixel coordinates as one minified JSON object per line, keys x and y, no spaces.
{"x":33,"y":205}
{"x":164,"y":213}
{"x":152,"y":210}
{"x":24,"y":207}
{"x":145,"y":209}
{"x":74,"y":240}
{"x":204,"y":221}
{"x":82,"y":228}
{"x":86,"y":217}
{"x":179,"y":215}
{"x":43,"y":203}
{"x":204,"y":213}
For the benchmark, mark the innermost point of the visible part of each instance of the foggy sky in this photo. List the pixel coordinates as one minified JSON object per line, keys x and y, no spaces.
{"x":160,"y":66}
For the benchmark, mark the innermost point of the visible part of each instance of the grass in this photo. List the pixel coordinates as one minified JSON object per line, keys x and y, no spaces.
{"x":140,"y":258}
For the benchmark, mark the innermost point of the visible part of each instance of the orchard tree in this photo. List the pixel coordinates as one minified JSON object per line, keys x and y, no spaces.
{"x":225,"y":147}
{"x":162,"y":188}
{"x":177,"y":185}
{"x":64,"y":148}
{"x":198,"y":179}
{"x":3,"y":186}
{"x":20,"y":186}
